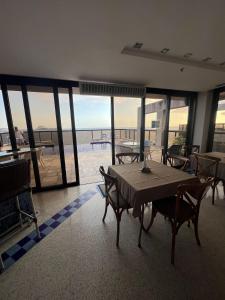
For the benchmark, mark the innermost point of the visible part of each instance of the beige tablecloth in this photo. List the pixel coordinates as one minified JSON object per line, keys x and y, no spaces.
{"x":138,"y":188}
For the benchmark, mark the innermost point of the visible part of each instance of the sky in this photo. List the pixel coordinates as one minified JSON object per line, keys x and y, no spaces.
{"x":90,"y":111}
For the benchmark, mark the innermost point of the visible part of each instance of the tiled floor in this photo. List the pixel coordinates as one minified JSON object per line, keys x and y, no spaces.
{"x":79,"y":259}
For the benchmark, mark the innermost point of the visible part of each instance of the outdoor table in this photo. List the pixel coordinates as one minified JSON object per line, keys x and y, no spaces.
{"x":139,"y":188}
{"x":13,"y":153}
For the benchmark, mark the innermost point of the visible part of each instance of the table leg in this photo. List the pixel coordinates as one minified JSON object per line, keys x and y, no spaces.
{"x":141,"y":226}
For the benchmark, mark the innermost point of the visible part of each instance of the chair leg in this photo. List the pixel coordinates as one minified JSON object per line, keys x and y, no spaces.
{"x":35,"y":217}
{"x":141,"y":226}
{"x":213,"y":194}
{"x":106,"y":207}
{"x":18,"y":207}
{"x":153,"y":215}
{"x":223,"y":181}
{"x":173,"y":243}
{"x":42,"y":163}
{"x":118,"y":218}
{"x":196,"y":232}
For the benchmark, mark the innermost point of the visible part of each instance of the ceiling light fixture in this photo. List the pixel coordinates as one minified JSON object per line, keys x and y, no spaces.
{"x":165,"y":50}
{"x":187,"y":55}
{"x":207,"y":59}
{"x":180,"y":60}
{"x":138,"y":45}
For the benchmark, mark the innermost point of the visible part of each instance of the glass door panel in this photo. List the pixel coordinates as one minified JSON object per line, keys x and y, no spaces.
{"x":93,"y":130}
{"x":155,"y":119}
{"x":20,"y":125}
{"x":127,"y":123}
{"x":4,"y":131}
{"x":219,"y":133}
{"x":178,"y":120}
{"x":42,"y":109}
{"x":64,"y":104}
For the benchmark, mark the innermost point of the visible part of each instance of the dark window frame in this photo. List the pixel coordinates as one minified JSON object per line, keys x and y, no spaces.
{"x":55,"y":84}
{"x":212,"y":123}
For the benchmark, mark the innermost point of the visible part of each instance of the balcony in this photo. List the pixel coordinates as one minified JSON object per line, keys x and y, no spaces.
{"x":90,"y":155}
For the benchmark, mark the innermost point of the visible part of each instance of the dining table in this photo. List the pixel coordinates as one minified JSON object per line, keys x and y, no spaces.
{"x":139,"y":188}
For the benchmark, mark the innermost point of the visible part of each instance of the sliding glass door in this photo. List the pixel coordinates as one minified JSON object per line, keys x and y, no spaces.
{"x":42,"y":110}
{"x":127,"y":123}
{"x":20,"y":124}
{"x":219,"y":132}
{"x":168,"y":122}
{"x":93,"y":130}
{"x":4,"y":131}
{"x":68,"y":135}
{"x":155,"y":120}
{"x":178,"y":121}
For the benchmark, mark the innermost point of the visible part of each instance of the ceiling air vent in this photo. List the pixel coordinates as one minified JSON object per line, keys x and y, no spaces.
{"x":111,"y":89}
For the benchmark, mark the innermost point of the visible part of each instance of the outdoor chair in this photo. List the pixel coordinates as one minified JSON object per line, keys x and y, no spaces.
{"x":39,"y":154}
{"x":114,"y":198}
{"x":181,"y":208}
{"x":15,"y":180}
{"x":206,"y":168}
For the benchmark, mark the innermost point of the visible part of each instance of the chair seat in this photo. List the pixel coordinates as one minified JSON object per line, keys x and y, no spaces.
{"x":167,"y":208}
{"x":122,"y":202}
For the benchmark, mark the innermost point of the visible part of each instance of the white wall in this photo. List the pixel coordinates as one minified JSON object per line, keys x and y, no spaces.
{"x":202,"y":120}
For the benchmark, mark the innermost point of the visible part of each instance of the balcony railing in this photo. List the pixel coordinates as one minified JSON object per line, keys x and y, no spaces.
{"x":85,"y":136}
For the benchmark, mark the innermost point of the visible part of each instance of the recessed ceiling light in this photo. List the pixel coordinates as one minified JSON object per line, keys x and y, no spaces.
{"x":138,"y":45}
{"x":187,"y":55}
{"x":165,"y":50}
{"x":207,"y":59}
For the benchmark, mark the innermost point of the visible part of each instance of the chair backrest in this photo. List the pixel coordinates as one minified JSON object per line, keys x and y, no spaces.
{"x":193,"y":193}
{"x":174,"y":149}
{"x":111,"y":184}
{"x":191,"y":149}
{"x":206,"y":166}
{"x":128,"y":157}
{"x":14,"y":178}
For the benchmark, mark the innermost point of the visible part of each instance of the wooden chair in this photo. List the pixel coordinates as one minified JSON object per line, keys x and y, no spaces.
{"x":182,"y":161}
{"x":184,"y":207}
{"x":114,"y":198}
{"x":190,"y":149}
{"x":179,"y":162}
{"x":129,"y":157}
{"x":15,"y":180}
{"x":206,"y":168}
{"x":39,"y":154}
{"x":173,"y":151}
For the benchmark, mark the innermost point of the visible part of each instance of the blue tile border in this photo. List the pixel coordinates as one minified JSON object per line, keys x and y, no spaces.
{"x":14,"y":253}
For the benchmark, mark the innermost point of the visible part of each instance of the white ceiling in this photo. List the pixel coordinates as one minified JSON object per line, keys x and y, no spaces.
{"x":82,"y":40}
